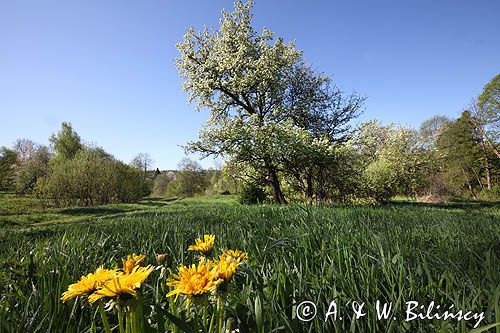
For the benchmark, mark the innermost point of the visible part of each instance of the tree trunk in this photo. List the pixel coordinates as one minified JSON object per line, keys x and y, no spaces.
{"x":275,"y":187}
{"x":480,"y":183}
{"x":483,"y":133}
{"x":469,"y":184}
{"x":478,"y":178}
{"x":309,"y":189}
{"x":235,"y":183}
{"x":487,"y":166}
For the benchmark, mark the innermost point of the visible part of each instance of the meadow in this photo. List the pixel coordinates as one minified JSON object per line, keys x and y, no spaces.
{"x":402,"y":252}
{"x":18,"y":211}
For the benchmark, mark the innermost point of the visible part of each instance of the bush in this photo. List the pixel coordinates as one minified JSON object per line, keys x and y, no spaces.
{"x":91,"y":178}
{"x":30,"y":171}
{"x":380,"y":180}
{"x":252,"y":194}
{"x":160,"y":184}
{"x":8,"y":159}
{"x":490,"y":195}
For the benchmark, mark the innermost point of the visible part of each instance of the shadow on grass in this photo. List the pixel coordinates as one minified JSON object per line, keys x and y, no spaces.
{"x":447,"y":205}
{"x":91,"y":210}
{"x":103,"y":210}
{"x":152,"y":203}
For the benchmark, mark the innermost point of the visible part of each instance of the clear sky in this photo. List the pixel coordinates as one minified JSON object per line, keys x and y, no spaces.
{"x":108,"y":66}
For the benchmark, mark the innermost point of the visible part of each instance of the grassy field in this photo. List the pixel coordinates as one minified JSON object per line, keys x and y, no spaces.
{"x":449,"y":254}
{"x":24,"y":211}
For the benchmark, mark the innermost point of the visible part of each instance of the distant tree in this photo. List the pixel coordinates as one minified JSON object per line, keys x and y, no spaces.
{"x":160,"y":184}
{"x":189,"y":180}
{"x":212,"y":177}
{"x":487,"y":133}
{"x":31,"y":170}
{"x":91,"y":178}
{"x":430,"y":130}
{"x":432,"y":185}
{"x":391,"y":160}
{"x":25,"y":149}
{"x":142,"y":162}
{"x":66,"y":142}
{"x":8,"y":160}
{"x":485,"y":114}
{"x":231,"y":177}
{"x":459,"y":144}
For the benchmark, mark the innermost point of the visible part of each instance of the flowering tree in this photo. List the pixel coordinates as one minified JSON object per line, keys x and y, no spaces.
{"x":265,"y":105}
{"x":392,"y":160}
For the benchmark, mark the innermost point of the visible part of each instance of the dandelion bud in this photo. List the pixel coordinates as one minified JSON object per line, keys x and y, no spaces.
{"x":162,"y":258}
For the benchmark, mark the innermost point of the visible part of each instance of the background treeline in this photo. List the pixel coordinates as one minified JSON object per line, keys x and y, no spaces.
{"x":373,"y":162}
{"x":190,"y":179}
{"x":369,"y":163}
{"x":69,"y":172}
{"x":289,"y":130}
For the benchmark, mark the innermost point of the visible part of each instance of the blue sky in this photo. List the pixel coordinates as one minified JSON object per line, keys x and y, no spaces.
{"x":108,"y":66}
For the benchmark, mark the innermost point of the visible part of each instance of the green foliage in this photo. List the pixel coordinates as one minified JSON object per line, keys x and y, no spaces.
{"x":252,"y":194}
{"x":459,"y":145}
{"x":220,"y":182}
{"x":492,"y":195}
{"x":75,"y":175}
{"x":160,"y":184}
{"x":66,"y":143}
{"x":392,"y":158}
{"x":446,"y":254}
{"x":31,"y":170}
{"x":189,"y":180}
{"x":489,"y":100}
{"x":225,"y":181}
{"x":91,"y":178}
{"x":8,"y":159}
{"x":485,"y":116}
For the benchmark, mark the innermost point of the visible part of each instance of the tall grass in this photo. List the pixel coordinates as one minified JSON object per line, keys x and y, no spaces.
{"x":392,"y":254}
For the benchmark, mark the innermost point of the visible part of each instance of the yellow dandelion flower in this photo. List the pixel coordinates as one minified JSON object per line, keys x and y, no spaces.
{"x":237,"y":255}
{"x":89,"y":283}
{"x":132,"y":261}
{"x":226,"y":267}
{"x":194,"y":280}
{"x":204,"y":246}
{"x":123,"y":285}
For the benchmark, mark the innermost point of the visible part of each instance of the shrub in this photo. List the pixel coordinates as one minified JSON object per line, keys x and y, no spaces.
{"x":91,"y":178}
{"x":252,"y":194}
{"x":490,"y":195}
{"x":160,"y":184}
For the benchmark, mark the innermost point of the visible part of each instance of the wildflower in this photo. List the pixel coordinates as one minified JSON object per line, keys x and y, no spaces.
{"x":194,"y":280}
{"x":89,"y":283}
{"x":237,"y":255}
{"x":204,"y":246}
{"x":226,"y":267}
{"x":123,"y":285}
{"x":131,"y":262}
